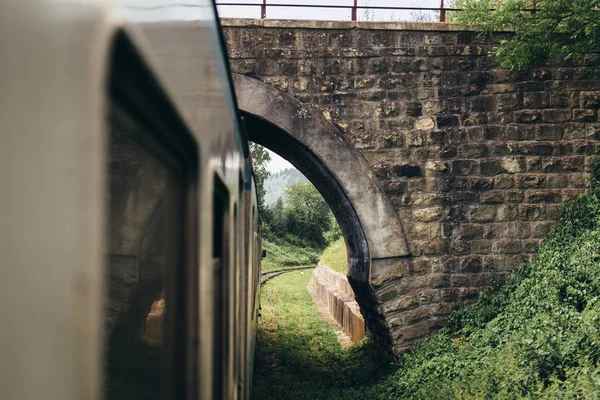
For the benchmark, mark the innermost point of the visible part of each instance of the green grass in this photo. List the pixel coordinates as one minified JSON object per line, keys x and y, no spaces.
{"x":538,"y":336}
{"x":284,"y":255}
{"x":335,"y":256}
{"x":298,"y":354}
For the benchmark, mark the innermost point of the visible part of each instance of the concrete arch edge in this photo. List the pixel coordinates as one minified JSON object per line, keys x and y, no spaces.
{"x":379,"y":220}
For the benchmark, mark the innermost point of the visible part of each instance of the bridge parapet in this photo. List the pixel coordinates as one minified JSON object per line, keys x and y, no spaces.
{"x":475,"y":159}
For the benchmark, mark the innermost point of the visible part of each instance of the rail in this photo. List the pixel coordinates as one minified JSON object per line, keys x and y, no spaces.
{"x":354,"y":7}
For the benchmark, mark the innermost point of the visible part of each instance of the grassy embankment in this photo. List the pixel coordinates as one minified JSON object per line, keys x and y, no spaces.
{"x":334,"y":256}
{"x":536,"y":337}
{"x":284,"y":255}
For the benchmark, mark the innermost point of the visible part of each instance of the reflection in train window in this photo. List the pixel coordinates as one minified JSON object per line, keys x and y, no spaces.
{"x":144,"y":231}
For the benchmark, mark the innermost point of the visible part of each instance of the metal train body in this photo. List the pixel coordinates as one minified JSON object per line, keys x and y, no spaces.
{"x":128,"y":214}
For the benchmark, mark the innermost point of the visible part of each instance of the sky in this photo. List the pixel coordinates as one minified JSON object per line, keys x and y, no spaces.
{"x":333,"y":14}
{"x":277,"y":163}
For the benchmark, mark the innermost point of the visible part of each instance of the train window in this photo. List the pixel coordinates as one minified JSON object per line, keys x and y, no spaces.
{"x":152,"y":264}
{"x":144,"y":231}
{"x":221,"y":280}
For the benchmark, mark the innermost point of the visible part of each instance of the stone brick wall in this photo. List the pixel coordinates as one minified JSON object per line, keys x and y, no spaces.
{"x":475,"y":158}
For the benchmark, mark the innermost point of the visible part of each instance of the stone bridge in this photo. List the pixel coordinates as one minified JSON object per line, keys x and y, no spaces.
{"x":444,"y":170}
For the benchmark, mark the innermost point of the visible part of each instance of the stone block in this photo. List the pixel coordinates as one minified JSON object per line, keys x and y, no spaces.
{"x":400,"y":304}
{"x":590,"y":100}
{"x":490,"y":167}
{"x":506,"y":246}
{"x":436,"y":281}
{"x":468,"y":232}
{"x":460,"y":280}
{"x":482,"y":246}
{"x":513,"y":165}
{"x":556,"y":116}
{"x":470,"y":264}
{"x":482,"y":214}
{"x":584,"y":115}
{"x":429,"y":214}
{"x":527,"y":116}
{"x":531,"y":212}
{"x":413,"y":109}
{"x":507,"y":102}
{"x":541,"y":229}
{"x":504,"y":181}
{"x":549,"y":132}
{"x":544,"y":196}
{"x":535,"y":100}
{"x":533,"y":164}
{"x":552,"y":164}
{"x":425,"y":124}
{"x":464,"y":167}
{"x":572,"y":164}
{"x":301,"y":84}
{"x":433,"y":107}
{"x":436,"y":168}
{"x":379,"y":66}
{"x":474,"y":150}
{"x":507,"y":212}
{"x":447,"y":121}
{"x":475,"y":133}
{"x":493,"y":263}
{"x":482,"y":103}
{"x":433,"y":247}
{"x":556,"y":181}
{"x":520,"y":132}
{"x":492,"y":197}
{"x":514,"y":196}
{"x":481,"y":183}
{"x":279,"y":82}
{"x":493,"y":132}
{"x":408,"y":333}
{"x":267,"y":67}
{"x":536,"y":148}
{"x":516,"y":230}
{"x":577,"y":181}
{"x":531,"y":181}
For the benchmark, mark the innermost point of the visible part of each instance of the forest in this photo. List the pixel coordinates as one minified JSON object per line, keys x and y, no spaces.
{"x":297,"y":225}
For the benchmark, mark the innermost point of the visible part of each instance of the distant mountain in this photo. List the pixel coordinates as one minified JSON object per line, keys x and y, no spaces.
{"x":277,"y":182}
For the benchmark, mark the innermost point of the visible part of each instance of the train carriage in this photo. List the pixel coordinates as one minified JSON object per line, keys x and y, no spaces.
{"x":128,"y":215}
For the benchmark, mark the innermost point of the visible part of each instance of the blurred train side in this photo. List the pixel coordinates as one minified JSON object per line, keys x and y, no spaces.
{"x":128,"y":217}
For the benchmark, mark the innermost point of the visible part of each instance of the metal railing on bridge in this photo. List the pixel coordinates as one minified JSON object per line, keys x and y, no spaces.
{"x":354,"y":10}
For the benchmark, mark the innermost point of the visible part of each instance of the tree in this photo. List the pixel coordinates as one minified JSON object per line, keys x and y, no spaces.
{"x":334,"y":232}
{"x":563,"y":28}
{"x":260,"y":159}
{"x":307,"y":213}
{"x":277,"y":224}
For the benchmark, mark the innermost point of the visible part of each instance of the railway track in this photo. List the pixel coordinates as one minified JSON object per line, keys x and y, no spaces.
{"x":268,"y":275}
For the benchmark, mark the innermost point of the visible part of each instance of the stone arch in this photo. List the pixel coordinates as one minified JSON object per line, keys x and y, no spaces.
{"x":371,"y":227}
